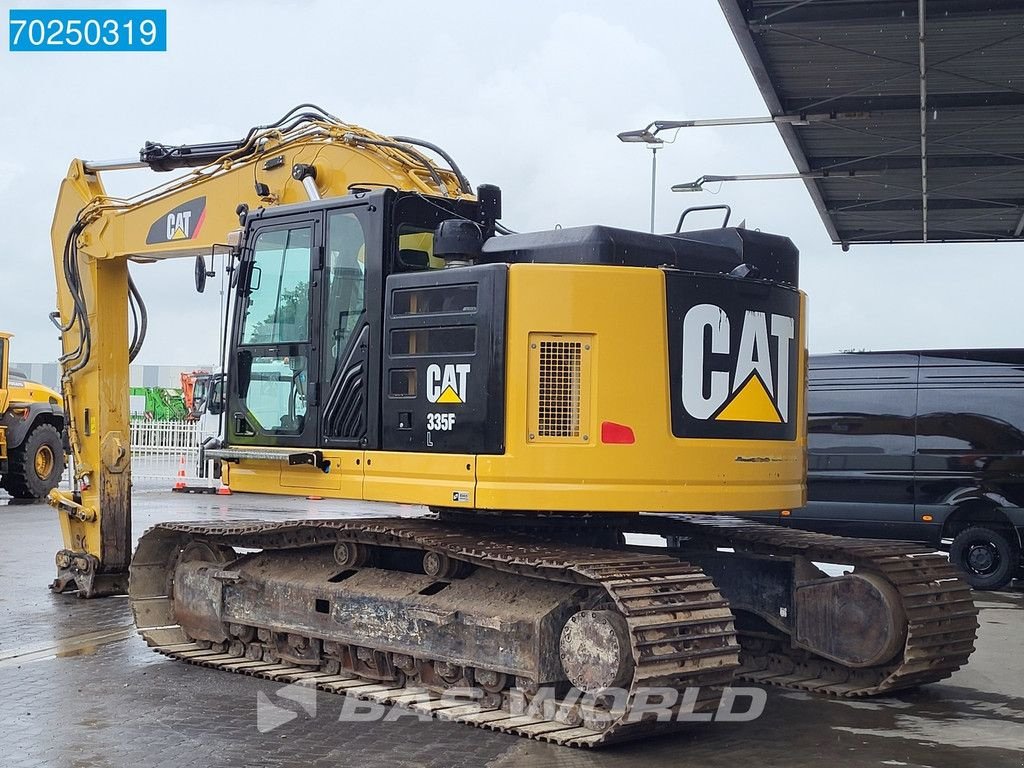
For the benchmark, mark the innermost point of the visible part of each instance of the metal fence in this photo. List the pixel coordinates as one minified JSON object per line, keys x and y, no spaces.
{"x":159,"y":449}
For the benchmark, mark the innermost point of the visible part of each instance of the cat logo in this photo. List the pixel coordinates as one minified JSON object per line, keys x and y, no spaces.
{"x":748,"y":392}
{"x":447,"y":385}
{"x":181,"y":223}
{"x":733,"y":359}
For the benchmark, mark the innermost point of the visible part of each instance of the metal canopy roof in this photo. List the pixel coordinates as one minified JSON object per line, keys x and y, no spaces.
{"x":937,"y":151}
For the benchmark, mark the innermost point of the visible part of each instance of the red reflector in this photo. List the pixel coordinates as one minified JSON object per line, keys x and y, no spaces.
{"x":616,"y":433}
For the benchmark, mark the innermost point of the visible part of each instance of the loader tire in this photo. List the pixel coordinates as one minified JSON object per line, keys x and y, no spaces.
{"x":36,"y":466}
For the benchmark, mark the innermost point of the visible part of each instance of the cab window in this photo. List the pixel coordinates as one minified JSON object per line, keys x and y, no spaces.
{"x":278,"y":296}
{"x":416,"y":249}
{"x":346,"y":284}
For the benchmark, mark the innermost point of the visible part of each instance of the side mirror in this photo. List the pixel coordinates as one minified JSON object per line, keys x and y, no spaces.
{"x":215,"y":397}
{"x":202,"y":273}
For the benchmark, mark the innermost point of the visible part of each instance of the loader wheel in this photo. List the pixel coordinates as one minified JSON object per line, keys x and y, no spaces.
{"x":987,"y":557}
{"x":36,"y":465}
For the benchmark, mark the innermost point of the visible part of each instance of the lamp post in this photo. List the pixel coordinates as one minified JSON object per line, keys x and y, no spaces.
{"x":707,"y":178}
{"x":644,"y":136}
{"x":649,"y":136}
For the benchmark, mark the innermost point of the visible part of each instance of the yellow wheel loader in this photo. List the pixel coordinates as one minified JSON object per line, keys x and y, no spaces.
{"x":31,"y":430}
{"x":545,"y":394}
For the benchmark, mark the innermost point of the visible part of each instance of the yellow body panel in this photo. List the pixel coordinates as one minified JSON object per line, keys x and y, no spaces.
{"x":347,"y":482}
{"x":617,"y":317}
{"x":624,"y":310}
{"x":434,"y":479}
{"x":29,"y":392}
{"x":404,"y":478}
{"x":344,"y":481}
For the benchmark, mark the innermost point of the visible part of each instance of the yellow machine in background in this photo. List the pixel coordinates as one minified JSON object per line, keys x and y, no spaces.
{"x":31,"y":429}
{"x":544,"y":393}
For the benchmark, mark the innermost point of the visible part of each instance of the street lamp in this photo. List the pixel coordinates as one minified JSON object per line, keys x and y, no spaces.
{"x":649,"y":136}
{"x":645,"y":136}
{"x":707,"y":178}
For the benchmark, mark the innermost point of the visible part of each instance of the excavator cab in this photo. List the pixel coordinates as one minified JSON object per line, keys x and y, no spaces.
{"x":303,"y":366}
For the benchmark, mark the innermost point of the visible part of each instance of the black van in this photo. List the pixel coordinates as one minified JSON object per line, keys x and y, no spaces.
{"x":923,"y":446}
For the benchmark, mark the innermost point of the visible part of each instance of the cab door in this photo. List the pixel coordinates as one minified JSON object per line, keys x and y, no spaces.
{"x":273,"y":397}
{"x":350,"y":326}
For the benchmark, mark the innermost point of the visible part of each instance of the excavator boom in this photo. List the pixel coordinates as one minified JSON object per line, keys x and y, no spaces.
{"x":306,"y":155}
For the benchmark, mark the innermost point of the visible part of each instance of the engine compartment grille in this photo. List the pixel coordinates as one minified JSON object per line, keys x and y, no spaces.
{"x":560,"y":383}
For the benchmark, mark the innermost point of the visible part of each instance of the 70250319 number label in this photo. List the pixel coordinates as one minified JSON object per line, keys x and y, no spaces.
{"x":87,"y":30}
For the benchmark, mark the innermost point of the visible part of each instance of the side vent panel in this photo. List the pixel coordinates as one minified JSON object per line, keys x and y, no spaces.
{"x":443,"y":365}
{"x":559,"y":388}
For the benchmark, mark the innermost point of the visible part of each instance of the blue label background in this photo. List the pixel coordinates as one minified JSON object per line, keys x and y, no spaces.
{"x":158,"y":17}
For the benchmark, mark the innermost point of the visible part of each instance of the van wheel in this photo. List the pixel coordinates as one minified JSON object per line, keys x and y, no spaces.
{"x":36,"y":465}
{"x":988,"y":557}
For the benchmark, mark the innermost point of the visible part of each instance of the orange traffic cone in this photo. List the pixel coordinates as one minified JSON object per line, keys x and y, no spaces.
{"x":180,"y":484}
{"x":222,"y":490}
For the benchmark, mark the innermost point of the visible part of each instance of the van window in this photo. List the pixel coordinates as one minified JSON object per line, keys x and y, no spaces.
{"x":861,"y":419}
{"x":974,"y":416}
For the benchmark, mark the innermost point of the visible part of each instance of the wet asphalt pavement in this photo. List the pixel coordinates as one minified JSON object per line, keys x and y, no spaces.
{"x":79,"y":688}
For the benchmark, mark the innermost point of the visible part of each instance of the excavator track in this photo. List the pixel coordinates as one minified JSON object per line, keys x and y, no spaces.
{"x":942,"y":620}
{"x":680,"y":629}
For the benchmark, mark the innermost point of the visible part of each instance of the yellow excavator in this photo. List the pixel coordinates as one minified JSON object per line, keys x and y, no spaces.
{"x":544,"y":393}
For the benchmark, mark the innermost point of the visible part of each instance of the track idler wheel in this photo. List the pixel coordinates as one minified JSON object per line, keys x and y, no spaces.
{"x":854,"y":619}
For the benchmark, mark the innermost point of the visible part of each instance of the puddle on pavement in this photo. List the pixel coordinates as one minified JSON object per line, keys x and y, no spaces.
{"x":87,"y":650}
{"x":83,"y":645}
{"x":93,"y":723}
{"x":968,"y":732}
{"x":866,"y":704}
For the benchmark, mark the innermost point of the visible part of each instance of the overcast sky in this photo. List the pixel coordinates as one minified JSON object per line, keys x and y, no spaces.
{"x":529,"y":96}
